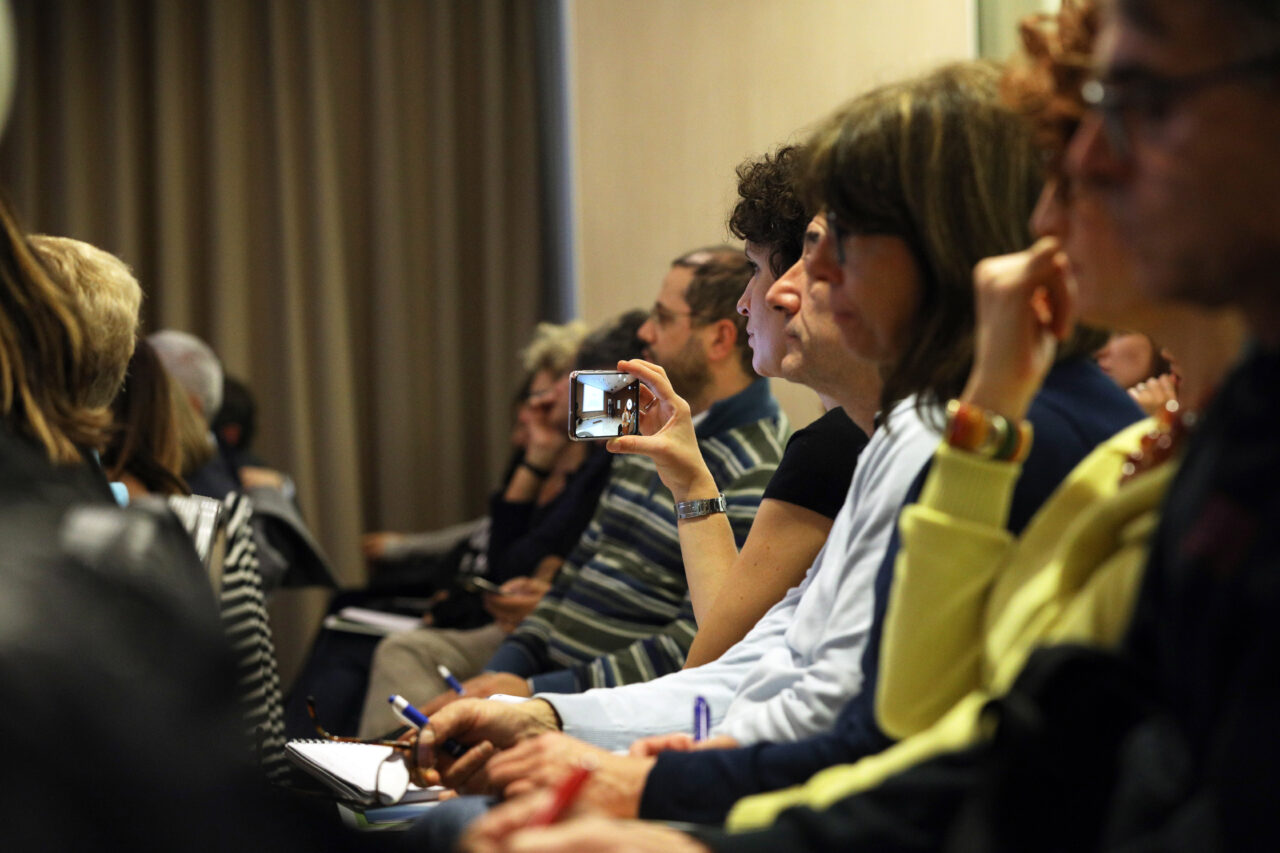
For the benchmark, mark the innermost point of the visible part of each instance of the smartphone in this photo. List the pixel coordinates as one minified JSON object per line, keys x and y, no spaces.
{"x":475,"y":583}
{"x":603,"y":404}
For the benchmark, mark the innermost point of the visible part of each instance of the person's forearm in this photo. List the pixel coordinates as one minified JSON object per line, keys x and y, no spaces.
{"x":709,"y":553}
{"x":953,"y":547}
{"x":706,"y":544}
{"x":783,"y":542}
{"x":524,"y":485}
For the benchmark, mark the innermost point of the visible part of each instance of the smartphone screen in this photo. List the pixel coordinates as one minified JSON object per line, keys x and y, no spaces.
{"x":603,"y":404}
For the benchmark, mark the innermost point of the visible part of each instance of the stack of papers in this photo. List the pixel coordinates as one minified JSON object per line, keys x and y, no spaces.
{"x":361,"y":620}
{"x":359,"y":772}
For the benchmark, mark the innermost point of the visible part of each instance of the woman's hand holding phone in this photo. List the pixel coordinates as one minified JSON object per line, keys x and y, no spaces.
{"x":667,"y":435}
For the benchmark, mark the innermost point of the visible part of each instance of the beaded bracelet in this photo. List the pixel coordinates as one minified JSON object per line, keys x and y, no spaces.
{"x":978,"y":430}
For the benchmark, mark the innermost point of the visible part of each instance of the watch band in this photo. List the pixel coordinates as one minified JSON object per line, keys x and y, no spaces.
{"x":544,"y":473}
{"x":697,"y":509}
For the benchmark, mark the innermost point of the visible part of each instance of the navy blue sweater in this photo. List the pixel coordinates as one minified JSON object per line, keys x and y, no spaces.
{"x":1078,"y":408}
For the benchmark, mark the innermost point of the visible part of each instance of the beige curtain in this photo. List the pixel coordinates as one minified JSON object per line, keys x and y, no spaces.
{"x":342,"y":197}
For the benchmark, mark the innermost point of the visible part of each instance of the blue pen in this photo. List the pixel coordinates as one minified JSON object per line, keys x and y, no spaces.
{"x":413,"y":717}
{"x":454,"y":684}
{"x":701,"y":719}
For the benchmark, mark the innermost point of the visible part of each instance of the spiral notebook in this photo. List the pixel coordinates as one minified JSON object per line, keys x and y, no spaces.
{"x":359,"y":772}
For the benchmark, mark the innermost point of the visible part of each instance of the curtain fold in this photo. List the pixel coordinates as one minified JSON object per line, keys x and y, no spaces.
{"x":342,"y":197}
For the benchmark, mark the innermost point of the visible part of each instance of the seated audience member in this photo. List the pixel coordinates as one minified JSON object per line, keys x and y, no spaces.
{"x":412,"y":556}
{"x":103,"y":603}
{"x":1137,"y":363}
{"x":288,"y":553}
{"x":236,"y":424}
{"x":146,"y":450}
{"x":583,"y":632}
{"x":1150,"y":780}
{"x":197,"y":370}
{"x":731,"y":591}
{"x":109,"y":298}
{"x":1078,"y":408}
{"x":536,"y":520}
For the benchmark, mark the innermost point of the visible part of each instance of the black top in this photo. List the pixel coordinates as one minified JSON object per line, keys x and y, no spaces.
{"x":817,"y":466}
{"x":522,"y":534}
{"x":1205,"y":628}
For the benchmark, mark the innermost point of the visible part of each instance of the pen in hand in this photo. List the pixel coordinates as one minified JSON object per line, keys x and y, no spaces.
{"x":701,"y":719}
{"x":418,"y":720}
{"x":564,"y":798}
{"x":454,"y":684}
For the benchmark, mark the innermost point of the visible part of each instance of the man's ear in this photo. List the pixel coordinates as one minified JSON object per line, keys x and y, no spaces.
{"x":721,"y":339}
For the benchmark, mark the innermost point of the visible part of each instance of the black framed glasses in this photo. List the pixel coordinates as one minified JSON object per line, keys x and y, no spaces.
{"x":664,"y":316}
{"x":1137,"y":94}
{"x":837,"y":233}
{"x":320,"y":730}
{"x":394,"y":773}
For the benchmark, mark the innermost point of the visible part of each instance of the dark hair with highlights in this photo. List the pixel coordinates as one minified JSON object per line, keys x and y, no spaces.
{"x":939,"y":161}
{"x":769,"y":212}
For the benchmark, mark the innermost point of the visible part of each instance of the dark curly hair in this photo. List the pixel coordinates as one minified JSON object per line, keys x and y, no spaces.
{"x":769,"y":211}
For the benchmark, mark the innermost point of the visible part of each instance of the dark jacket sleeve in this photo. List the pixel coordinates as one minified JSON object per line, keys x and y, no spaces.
{"x":522,"y":535}
{"x":1078,"y":409}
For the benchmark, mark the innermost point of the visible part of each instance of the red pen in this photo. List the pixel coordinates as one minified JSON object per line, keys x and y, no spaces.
{"x":565,"y":795}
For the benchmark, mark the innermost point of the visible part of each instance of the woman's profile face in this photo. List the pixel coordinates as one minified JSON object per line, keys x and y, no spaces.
{"x":1100,"y":263}
{"x":764,"y":326}
{"x":875,"y":290}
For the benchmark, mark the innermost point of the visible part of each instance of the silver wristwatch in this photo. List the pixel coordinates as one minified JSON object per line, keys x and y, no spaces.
{"x":697,"y":509}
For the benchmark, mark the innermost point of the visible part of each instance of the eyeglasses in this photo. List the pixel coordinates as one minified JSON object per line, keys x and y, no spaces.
{"x":391,"y":787}
{"x":837,"y":234}
{"x":1141,"y":95}
{"x":664,"y":316}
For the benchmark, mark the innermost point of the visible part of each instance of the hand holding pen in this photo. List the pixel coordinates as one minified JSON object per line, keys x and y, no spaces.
{"x":411,"y":716}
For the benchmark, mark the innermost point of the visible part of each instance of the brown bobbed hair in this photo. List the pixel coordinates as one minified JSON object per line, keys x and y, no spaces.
{"x":770,"y":212}
{"x":146,"y":442}
{"x":42,"y":365}
{"x":941,"y":162}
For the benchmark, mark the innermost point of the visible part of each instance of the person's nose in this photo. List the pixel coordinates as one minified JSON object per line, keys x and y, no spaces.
{"x":647,"y":332}
{"x":821,"y":264}
{"x":784,"y":294}
{"x":1092,"y":156}
{"x":1048,"y":217}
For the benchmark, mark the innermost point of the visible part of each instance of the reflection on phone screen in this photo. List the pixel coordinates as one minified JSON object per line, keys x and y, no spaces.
{"x":603,"y":404}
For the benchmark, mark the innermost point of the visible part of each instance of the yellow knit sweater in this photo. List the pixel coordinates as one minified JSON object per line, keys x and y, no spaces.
{"x":970,"y":602}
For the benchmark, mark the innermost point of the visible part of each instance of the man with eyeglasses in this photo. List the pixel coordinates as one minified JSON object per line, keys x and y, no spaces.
{"x":677,"y":331}
{"x":619,"y":611}
{"x":1183,"y":146}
